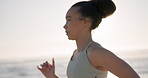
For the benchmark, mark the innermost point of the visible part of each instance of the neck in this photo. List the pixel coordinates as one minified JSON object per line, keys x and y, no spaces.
{"x":83,"y":41}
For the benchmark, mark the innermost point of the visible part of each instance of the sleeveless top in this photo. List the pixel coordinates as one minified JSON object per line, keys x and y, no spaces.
{"x":81,"y":67}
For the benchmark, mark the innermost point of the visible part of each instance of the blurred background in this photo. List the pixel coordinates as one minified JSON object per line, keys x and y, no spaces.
{"x":31,"y":32}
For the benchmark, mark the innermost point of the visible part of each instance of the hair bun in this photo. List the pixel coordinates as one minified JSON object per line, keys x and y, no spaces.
{"x":106,"y":7}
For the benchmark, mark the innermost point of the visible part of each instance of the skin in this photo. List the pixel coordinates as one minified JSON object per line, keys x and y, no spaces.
{"x":78,"y":29}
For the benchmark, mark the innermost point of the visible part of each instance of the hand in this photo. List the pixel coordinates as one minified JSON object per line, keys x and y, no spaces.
{"x":48,"y":69}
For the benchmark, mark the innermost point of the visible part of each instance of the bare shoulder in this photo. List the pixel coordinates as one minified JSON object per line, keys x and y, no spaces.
{"x":101,"y":57}
{"x":98,"y":55}
{"x":97,"y":50}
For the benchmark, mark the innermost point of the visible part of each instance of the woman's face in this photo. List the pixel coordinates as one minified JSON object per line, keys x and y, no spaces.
{"x":74,"y":25}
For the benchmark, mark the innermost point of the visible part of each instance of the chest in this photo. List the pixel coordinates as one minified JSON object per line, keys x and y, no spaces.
{"x":80,"y":67}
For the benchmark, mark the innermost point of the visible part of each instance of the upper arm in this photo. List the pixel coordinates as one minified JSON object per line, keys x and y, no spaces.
{"x":109,"y":61}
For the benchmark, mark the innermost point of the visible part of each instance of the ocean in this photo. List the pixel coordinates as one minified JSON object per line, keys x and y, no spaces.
{"x":27,"y":68}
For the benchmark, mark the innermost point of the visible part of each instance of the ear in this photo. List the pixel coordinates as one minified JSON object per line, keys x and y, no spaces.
{"x":87,"y":22}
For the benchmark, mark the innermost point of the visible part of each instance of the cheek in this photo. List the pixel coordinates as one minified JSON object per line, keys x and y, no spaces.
{"x":70,"y":25}
{"x":73,"y":26}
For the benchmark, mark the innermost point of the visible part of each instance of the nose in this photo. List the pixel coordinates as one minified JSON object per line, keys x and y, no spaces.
{"x":65,"y":26}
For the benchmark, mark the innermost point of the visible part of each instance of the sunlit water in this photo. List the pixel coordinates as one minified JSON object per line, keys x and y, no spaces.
{"x":27,"y":68}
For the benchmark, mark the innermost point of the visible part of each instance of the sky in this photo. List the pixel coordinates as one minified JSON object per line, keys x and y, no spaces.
{"x":34,"y":28}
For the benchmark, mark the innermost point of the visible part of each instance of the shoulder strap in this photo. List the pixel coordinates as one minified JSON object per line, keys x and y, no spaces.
{"x":88,"y":45}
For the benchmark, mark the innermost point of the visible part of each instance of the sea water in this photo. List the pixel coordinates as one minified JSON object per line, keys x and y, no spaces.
{"x":28,"y":69}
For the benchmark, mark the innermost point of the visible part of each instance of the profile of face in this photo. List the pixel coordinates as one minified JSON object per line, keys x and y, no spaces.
{"x":75,"y":24}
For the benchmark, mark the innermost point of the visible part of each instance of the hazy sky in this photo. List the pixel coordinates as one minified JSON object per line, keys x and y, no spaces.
{"x":31,"y":28}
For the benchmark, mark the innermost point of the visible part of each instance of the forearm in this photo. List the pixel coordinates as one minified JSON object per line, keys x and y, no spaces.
{"x":135,"y":76}
{"x":56,"y":77}
{"x":53,"y":77}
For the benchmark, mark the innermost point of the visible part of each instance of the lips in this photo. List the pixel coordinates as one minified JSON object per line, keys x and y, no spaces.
{"x":66,"y":32}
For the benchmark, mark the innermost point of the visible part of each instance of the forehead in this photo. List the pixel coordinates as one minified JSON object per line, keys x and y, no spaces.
{"x":73,"y":12}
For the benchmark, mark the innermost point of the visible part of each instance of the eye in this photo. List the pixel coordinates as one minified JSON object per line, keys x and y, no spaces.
{"x":68,"y":20}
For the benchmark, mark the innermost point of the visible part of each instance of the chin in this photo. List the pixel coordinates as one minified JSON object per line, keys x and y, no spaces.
{"x":71,"y":38}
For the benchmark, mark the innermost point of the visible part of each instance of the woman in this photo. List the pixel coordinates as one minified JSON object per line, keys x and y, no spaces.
{"x":90,"y":59}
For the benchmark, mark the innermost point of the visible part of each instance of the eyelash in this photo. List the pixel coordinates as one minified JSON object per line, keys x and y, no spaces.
{"x":68,"y":19}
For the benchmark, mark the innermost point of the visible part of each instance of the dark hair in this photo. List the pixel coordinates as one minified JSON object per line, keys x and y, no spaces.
{"x":95,"y":10}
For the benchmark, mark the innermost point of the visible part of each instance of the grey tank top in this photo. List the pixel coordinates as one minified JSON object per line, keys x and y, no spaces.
{"x":81,"y":67}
